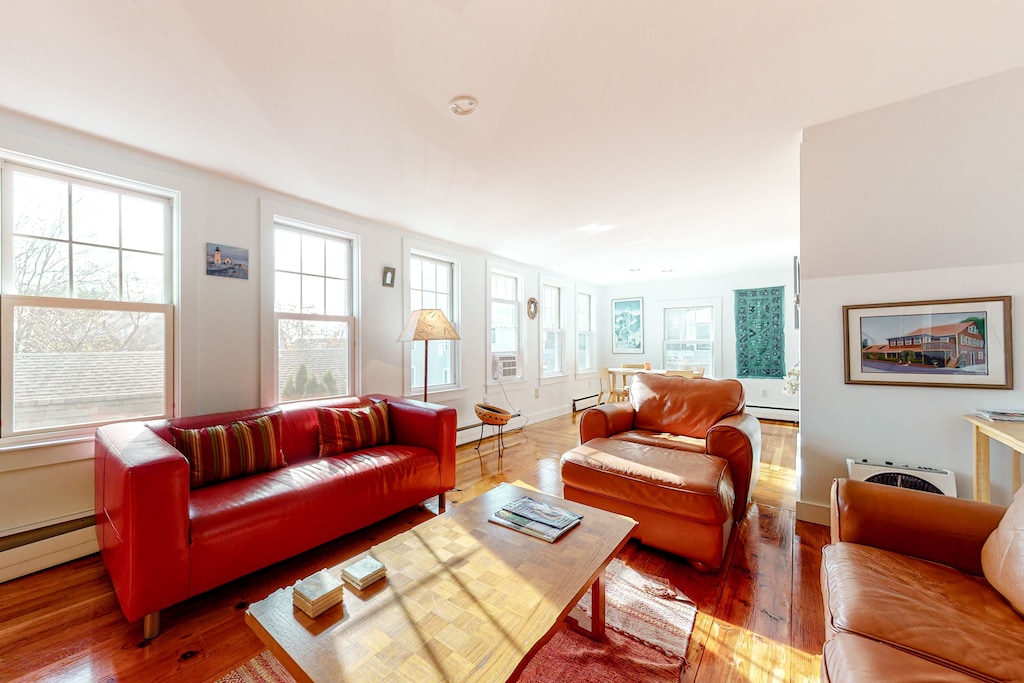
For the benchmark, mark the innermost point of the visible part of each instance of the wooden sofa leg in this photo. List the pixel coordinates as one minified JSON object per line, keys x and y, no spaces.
{"x":440,"y":503}
{"x":151,"y":625}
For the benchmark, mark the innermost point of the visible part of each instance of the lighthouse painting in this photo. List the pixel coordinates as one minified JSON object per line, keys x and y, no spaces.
{"x":225,"y":261}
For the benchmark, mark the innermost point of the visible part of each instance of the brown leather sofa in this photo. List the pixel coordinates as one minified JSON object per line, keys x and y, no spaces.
{"x":922,"y":587}
{"x":681,"y":458}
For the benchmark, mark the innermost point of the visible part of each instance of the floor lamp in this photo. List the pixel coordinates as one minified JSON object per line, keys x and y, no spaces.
{"x":426,"y":324}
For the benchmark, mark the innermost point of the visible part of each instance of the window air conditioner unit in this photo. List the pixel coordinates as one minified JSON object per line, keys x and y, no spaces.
{"x":504,"y":366}
{"x":904,"y":476}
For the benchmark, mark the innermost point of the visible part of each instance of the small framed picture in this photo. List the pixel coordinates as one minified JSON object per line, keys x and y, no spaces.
{"x":389,"y":277}
{"x":945,"y":343}
{"x":224,"y":261}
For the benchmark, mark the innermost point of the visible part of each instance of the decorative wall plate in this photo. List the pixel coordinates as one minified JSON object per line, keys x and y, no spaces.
{"x":532,"y":306}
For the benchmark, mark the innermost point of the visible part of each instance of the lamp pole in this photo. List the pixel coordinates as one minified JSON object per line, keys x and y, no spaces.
{"x":426,"y":360}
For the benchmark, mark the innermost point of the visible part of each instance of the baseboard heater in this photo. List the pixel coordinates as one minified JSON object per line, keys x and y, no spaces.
{"x":795,"y":411}
{"x":929,"y":479}
{"x":41,"y":534}
{"x":575,"y":408}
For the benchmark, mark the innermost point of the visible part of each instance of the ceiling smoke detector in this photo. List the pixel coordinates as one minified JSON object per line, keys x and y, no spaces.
{"x":463,"y":105}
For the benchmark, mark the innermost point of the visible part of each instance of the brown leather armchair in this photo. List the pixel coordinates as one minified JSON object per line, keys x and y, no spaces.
{"x":681,"y":458}
{"x":697,"y":415}
{"x":922,"y":587}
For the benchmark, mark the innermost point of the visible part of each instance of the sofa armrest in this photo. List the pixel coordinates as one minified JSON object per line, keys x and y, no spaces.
{"x":928,"y":526}
{"x":600,"y":422}
{"x":142,"y":517}
{"x":429,"y":425}
{"x":737,"y":440}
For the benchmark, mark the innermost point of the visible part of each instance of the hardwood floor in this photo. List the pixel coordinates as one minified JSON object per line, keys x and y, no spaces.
{"x":760,"y":616}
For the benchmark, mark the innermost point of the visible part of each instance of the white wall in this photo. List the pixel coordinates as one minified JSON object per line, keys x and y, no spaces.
{"x":717,"y":290}
{"x":918,"y":200}
{"x":219,"y":358}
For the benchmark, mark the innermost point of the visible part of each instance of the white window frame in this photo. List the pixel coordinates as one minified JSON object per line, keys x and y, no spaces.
{"x":517,"y":302}
{"x":714,"y":367}
{"x":547,"y":308}
{"x":272,"y":215}
{"x":415,"y":349}
{"x":585,"y":330}
{"x":10,"y":300}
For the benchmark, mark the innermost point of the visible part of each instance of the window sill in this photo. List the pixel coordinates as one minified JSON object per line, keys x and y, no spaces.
{"x":438,"y":395}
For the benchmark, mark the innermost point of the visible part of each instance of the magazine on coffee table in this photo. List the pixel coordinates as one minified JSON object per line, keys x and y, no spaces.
{"x":537,"y":511}
{"x":535,"y":518}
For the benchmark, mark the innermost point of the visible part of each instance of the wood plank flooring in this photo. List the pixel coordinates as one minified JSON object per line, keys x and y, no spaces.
{"x":760,"y":616}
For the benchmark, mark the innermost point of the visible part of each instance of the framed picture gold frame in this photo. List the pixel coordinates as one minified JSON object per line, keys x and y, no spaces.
{"x":961,"y":343}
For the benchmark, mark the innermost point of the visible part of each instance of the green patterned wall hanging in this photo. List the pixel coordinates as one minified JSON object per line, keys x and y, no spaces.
{"x":760,"y":332}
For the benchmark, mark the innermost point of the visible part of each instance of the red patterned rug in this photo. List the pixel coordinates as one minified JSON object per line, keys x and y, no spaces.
{"x":649,"y":625}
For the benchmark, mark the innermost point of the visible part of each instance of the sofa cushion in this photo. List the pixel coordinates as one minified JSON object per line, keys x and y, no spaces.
{"x":931,"y":610}
{"x":664,"y":440}
{"x":351,"y":429}
{"x":222,"y":452}
{"x":850,"y":658}
{"x":242,"y":525}
{"x":692,"y":485}
{"x":1002,"y":556}
{"x":681,"y":405}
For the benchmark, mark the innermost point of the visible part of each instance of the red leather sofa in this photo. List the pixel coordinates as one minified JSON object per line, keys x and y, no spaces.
{"x":681,"y":458}
{"x":922,"y":587}
{"x":163,"y":542}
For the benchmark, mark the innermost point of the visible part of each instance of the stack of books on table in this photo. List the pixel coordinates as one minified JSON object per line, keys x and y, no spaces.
{"x":364,"y":572}
{"x":535,"y":518}
{"x":1002,"y":415}
{"x":318,"y":593}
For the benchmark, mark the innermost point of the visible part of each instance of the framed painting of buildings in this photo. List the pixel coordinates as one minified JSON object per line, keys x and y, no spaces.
{"x":628,"y":325}
{"x":946,"y":343}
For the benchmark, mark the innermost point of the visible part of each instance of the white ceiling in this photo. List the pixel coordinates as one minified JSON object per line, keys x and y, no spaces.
{"x":610,"y":134}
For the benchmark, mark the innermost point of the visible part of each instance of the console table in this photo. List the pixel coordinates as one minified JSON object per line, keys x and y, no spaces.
{"x":1009,"y":433}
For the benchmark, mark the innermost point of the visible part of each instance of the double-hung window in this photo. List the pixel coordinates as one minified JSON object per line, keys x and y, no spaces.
{"x":584,"y":333}
{"x":552,"y":356}
{"x":432,"y":285}
{"x":689,"y":338}
{"x":87,"y":313}
{"x":315,"y":328}
{"x":506,"y":344}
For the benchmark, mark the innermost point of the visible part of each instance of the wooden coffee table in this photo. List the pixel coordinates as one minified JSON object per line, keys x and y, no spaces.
{"x":463,"y":600}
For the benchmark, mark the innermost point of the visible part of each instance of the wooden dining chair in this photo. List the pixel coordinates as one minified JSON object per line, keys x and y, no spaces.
{"x":680,"y":373}
{"x":605,"y":391}
{"x":697,"y":372}
{"x":625,"y":379}
{"x":615,"y":391}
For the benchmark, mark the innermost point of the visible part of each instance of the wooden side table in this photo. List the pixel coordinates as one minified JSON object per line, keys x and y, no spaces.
{"x":1009,"y":433}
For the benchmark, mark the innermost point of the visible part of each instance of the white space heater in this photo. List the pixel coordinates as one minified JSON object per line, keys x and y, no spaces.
{"x":904,"y":476}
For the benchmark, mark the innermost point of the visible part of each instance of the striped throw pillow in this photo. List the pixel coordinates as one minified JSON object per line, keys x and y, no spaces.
{"x":222,"y":452}
{"x":351,"y":429}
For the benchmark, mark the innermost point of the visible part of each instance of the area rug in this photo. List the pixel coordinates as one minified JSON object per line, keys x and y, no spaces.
{"x":760,"y":332}
{"x":649,"y":626}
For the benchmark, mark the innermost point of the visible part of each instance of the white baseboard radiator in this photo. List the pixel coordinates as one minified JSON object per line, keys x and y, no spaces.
{"x":928,"y":479}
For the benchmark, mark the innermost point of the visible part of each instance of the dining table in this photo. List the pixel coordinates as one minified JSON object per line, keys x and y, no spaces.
{"x":620,"y":377}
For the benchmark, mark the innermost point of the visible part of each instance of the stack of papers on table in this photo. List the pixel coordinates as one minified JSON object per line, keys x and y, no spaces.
{"x":364,"y":572}
{"x":535,"y":518}
{"x":1002,"y":415}
{"x":318,"y":593}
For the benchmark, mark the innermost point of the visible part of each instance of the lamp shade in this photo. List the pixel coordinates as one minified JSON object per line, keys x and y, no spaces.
{"x":427,"y":324}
